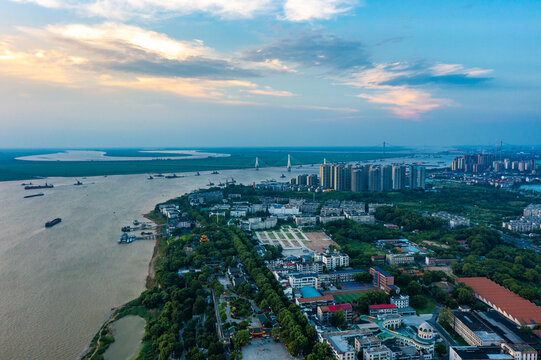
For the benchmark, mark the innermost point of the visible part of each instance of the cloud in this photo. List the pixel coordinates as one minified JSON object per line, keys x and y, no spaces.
{"x":406,"y":103}
{"x":304,"y":10}
{"x":290,"y":10}
{"x":187,"y":87}
{"x":397,"y":85}
{"x":312,"y":50}
{"x":269,"y":92}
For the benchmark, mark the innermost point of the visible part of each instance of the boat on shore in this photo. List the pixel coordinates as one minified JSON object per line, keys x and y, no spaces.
{"x":33,"y":195}
{"x":52,"y":223}
{"x":35,"y":187}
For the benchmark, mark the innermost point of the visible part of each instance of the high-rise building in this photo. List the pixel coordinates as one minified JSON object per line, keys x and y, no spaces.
{"x":356,"y":176}
{"x":302,"y":179}
{"x":386,"y":178}
{"x":312,"y":180}
{"x":340,"y":182}
{"x":374,"y":178}
{"x":417,"y":177}
{"x":399,"y":177}
{"x":347,"y":177}
{"x":325,"y":176}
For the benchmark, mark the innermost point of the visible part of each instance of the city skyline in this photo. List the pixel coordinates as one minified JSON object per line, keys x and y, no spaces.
{"x":261,"y":73}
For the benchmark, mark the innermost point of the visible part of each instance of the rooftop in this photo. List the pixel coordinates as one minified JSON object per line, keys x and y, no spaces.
{"x":380,"y":270}
{"x":316,"y":299}
{"x":309,"y":292}
{"x":333,"y":308}
{"x":525,"y":312}
{"x":382,"y":306}
{"x":480,"y":352}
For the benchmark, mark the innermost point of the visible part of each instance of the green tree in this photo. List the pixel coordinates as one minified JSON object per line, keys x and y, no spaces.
{"x":241,"y":338}
{"x":338,"y":319}
{"x":414,"y":288}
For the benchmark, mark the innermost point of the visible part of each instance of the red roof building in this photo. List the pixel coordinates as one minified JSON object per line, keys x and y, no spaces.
{"x":324,"y":313}
{"x":507,"y":303}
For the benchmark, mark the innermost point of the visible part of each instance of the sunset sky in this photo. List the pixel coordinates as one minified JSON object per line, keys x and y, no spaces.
{"x":130,"y":73}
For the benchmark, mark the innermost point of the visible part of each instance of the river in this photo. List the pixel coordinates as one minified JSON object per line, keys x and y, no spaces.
{"x":57,"y":284}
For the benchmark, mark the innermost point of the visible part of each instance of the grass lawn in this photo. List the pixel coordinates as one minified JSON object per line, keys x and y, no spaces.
{"x":366,"y":248}
{"x":346,"y":298}
{"x":290,"y":235}
{"x":428,"y":308}
{"x":271,"y":235}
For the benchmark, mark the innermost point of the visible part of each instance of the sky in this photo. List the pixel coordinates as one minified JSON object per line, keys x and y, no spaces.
{"x":204,"y":73}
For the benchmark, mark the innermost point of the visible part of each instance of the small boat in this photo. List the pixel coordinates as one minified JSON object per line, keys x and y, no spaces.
{"x":33,"y":195}
{"x":35,"y":187}
{"x":158,"y":175}
{"x":78,"y":183}
{"x":135,"y":222}
{"x":282,"y":176}
{"x":210,"y":183}
{"x":150,"y":177}
{"x":197,"y":173}
{"x":52,"y":223}
{"x":126,"y":228}
{"x":174,"y":176}
{"x":123,"y":238}
{"x":215,"y":172}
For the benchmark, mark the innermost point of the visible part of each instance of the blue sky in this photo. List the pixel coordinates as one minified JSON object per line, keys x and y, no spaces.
{"x":98,"y":73}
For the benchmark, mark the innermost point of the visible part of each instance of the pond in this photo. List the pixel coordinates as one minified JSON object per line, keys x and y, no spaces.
{"x":128,"y":333}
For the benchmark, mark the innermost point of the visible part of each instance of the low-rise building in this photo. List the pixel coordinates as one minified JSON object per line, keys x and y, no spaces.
{"x":325,"y":313}
{"x":340,"y":347}
{"x":391,"y":321}
{"x":334,"y":260}
{"x":311,"y":303}
{"x":473,"y":330}
{"x":360,"y":217}
{"x":381,"y":279}
{"x":339,"y":276}
{"x":382,"y":309}
{"x":305,"y":220}
{"x":401,"y":301}
{"x":377,"y":353}
{"x":452,"y":220}
{"x":430,"y":261}
{"x":363,"y":342}
{"x":329,"y":218}
{"x":399,"y":259}
{"x":477,"y":353}
{"x":298,"y":281}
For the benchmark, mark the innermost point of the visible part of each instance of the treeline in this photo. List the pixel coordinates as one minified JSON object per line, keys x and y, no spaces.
{"x":407,"y":219}
{"x":296,"y":332}
{"x":516,"y":269}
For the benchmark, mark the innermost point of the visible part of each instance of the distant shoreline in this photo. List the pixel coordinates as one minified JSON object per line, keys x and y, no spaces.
{"x":12,"y":169}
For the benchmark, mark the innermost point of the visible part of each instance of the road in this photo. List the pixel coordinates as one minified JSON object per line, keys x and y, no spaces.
{"x":519,"y":242}
{"x":449,"y":341}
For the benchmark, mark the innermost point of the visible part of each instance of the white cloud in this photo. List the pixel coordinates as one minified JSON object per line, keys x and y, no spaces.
{"x":405,"y":102}
{"x":457,"y":69}
{"x":292,"y":10}
{"x":304,"y":10}
{"x":111,"y":36}
{"x":268,"y":91}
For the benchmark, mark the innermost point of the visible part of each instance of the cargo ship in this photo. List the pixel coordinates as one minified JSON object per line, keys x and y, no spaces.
{"x":53,"y":222}
{"x":35,"y":187}
{"x":33,"y":195}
